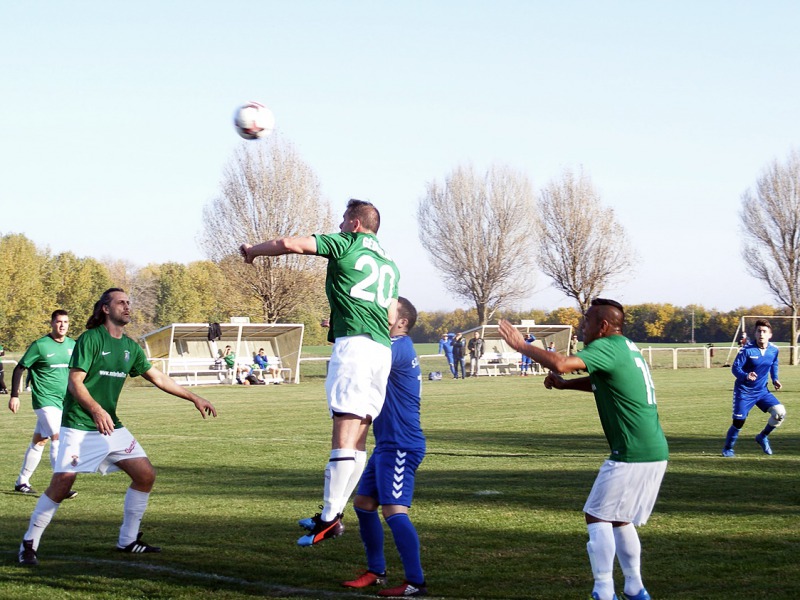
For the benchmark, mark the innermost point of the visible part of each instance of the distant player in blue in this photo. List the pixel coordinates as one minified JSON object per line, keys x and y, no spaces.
{"x":756,"y":361}
{"x":526,"y":361}
{"x":388,"y":480}
{"x":446,"y":347}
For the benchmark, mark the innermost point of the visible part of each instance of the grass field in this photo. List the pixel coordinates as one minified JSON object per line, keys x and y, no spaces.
{"x":497,"y":507}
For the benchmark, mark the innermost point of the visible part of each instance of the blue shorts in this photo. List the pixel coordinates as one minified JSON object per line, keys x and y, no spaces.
{"x":742,"y":405}
{"x":389,"y":476}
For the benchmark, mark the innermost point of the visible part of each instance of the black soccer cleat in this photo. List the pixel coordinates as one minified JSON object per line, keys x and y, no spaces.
{"x":27,"y":555}
{"x":139,"y":546}
{"x":24,"y":488}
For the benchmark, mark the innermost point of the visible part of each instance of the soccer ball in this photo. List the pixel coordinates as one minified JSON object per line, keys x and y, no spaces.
{"x":253,"y":121}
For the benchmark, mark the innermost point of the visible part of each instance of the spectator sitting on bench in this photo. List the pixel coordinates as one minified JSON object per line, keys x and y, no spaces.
{"x":262,"y":361}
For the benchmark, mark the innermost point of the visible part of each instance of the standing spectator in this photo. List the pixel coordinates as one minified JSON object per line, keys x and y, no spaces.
{"x":755,"y":363}
{"x":399,"y":446}
{"x":361,"y":286}
{"x":626,"y":488}
{"x":92,"y":437}
{"x":47,"y":360}
{"x":475,"y":348}
{"x":551,"y":347}
{"x":446,"y":347}
{"x":459,"y":348}
{"x":526,"y":362}
{"x":573,"y":345}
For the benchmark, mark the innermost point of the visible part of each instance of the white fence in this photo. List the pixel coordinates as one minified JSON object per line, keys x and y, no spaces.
{"x":698,"y":357}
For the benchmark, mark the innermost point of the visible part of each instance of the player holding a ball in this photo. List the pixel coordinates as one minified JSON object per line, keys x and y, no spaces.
{"x":361,"y":286}
{"x":625,"y":490}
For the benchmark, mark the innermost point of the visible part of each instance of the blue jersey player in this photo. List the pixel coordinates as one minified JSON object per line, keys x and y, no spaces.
{"x":388,"y":480}
{"x":756,"y":361}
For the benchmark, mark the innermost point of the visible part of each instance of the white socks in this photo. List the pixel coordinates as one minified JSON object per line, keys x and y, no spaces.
{"x":338,"y":472}
{"x":29,"y":463}
{"x":629,"y":554}
{"x":135,"y":505}
{"x":355,"y":476}
{"x":40,"y":519}
{"x":601,"y":549}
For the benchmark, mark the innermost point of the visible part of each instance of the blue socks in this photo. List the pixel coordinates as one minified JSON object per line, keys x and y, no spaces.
{"x":407,"y":542}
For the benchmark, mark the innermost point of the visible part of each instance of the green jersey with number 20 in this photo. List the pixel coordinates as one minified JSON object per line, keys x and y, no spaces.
{"x":626,"y":399}
{"x":107,"y":362}
{"x":362,"y":281}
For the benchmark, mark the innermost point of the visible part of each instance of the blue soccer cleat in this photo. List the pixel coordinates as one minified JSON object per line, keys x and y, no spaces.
{"x":594,"y":596}
{"x":762,"y":441}
{"x":643,"y":595}
{"x":728,"y":452}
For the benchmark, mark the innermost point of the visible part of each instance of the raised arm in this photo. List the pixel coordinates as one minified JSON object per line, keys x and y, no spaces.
{"x":289,"y":245}
{"x":550,"y":360}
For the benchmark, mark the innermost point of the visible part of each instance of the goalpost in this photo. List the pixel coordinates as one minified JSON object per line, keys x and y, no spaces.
{"x":783,"y":327}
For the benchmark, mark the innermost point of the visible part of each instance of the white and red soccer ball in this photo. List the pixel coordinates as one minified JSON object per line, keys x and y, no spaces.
{"x":253,"y":121}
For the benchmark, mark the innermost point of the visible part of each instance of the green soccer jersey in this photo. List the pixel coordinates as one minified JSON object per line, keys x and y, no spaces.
{"x":362,"y":281}
{"x":107,"y":362}
{"x":48,"y":363}
{"x":626,"y":399}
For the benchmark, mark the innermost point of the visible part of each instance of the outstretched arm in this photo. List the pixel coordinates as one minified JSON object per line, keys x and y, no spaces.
{"x":167,"y":384}
{"x":289,"y":245}
{"x":550,"y":360}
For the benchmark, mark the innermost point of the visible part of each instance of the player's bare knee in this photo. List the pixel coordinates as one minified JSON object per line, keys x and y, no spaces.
{"x":777,"y":414}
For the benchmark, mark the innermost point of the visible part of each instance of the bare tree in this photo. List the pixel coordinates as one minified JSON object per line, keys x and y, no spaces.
{"x":476,"y":230}
{"x":581,"y":246}
{"x":770,"y":222}
{"x":268,"y":192}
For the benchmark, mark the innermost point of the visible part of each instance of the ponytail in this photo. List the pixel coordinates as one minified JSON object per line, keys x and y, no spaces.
{"x":98,"y":316}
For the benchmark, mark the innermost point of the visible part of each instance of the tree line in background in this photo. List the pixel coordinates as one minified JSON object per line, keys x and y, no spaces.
{"x":35,"y":282}
{"x":644,"y":323}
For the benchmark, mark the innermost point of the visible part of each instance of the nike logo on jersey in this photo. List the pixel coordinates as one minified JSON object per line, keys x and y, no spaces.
{"x":51,"y":355}
{"x":106,"y":353}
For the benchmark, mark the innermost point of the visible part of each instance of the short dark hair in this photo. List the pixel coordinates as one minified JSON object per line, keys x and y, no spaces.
{"x":607,"y":302}
{"x":60,"y":312}
{"x":406,"y":310}
{"x":366,"y":213}
{"x":762,"y":323}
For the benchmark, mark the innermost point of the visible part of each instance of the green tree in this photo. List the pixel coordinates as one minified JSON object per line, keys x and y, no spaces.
{"x":77,"y":283}
{"x":24,"y":299}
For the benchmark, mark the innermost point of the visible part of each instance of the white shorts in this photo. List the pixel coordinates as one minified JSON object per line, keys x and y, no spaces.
{"x":48,"y":421}
{"x":357,"y":375}
{"x":625,"y":491}
{"x":92,"y":452}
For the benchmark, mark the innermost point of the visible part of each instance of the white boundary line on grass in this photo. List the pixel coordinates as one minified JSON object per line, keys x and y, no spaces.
{"x":282,"y":589}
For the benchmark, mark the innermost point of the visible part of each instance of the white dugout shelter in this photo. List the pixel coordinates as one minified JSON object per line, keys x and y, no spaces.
{"x":500,"y":359}
{"x":187,"y":351}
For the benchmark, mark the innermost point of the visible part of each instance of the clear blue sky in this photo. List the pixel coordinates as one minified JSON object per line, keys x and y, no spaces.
{"x":115,"y":118}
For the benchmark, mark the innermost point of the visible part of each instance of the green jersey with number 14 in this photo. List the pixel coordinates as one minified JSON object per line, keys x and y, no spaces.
{"x":361,"y":283}
{"x":626,"y":399}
